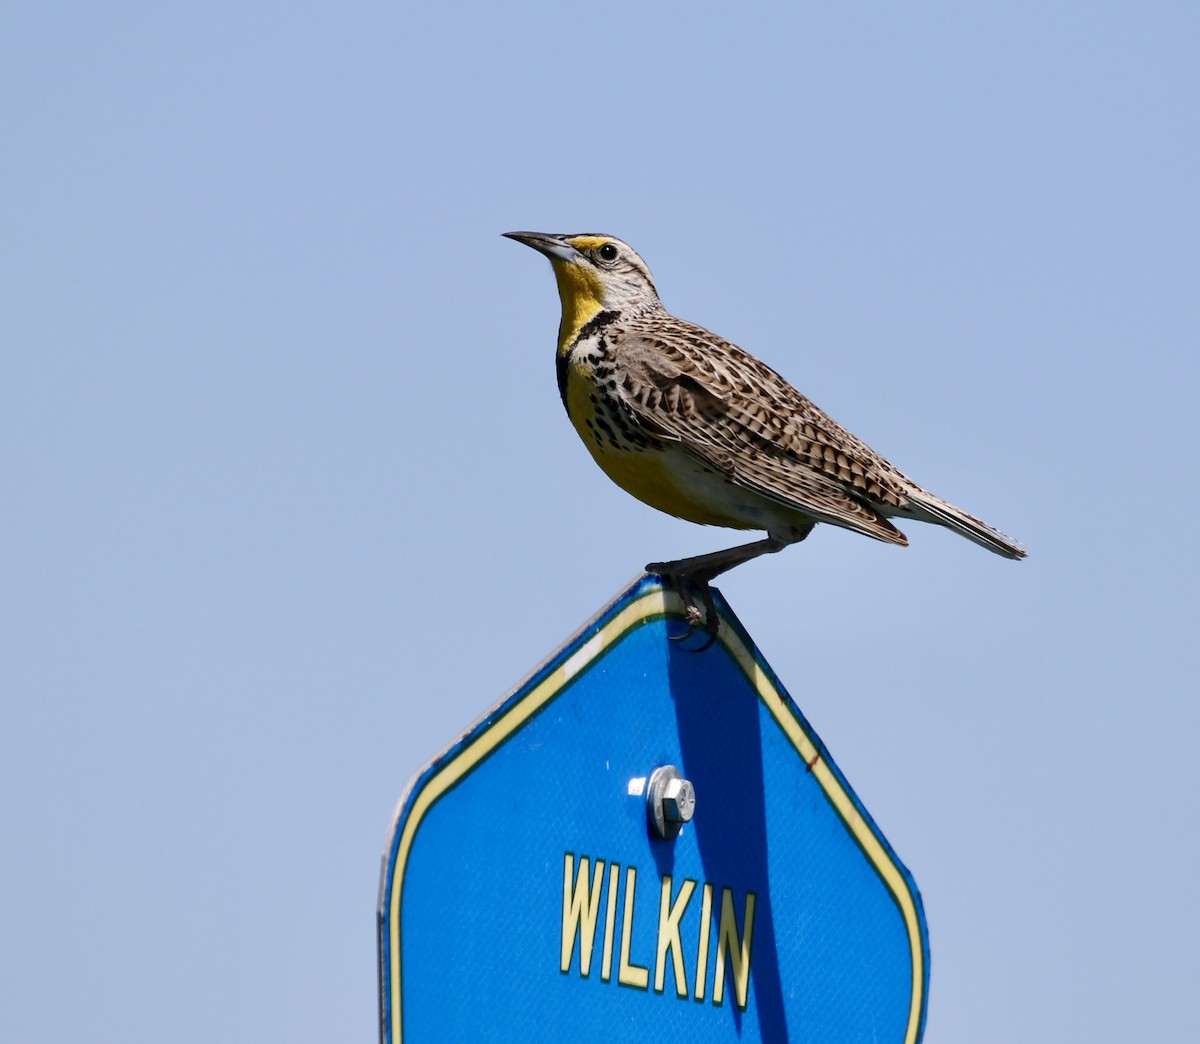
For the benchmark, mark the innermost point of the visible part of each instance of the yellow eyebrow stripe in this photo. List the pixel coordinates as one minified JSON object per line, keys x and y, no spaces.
{"x":588,"y":242}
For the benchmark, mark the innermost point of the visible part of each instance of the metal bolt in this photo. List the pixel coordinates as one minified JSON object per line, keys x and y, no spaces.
{"x":670,"y":801}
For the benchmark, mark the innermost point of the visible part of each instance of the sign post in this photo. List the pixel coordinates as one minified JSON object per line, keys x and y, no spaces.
{"x":644,"y":843}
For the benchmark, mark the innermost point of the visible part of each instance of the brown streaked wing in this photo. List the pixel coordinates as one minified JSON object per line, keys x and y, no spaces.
{"x":741,"y":417}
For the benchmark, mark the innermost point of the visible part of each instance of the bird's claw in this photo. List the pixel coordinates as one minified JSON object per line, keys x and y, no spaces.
{"x":699,"y":608}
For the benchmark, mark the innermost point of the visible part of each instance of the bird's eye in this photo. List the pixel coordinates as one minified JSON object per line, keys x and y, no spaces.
{"x":608,"y":252}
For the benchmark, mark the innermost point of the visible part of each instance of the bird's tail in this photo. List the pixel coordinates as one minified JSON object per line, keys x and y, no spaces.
{"x":929,"y":508}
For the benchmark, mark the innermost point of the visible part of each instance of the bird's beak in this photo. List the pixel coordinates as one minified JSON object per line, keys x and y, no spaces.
{"x":554,"y":247}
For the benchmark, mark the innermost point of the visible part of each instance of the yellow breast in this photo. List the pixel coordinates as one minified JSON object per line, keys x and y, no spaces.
{"x":658,"y":473}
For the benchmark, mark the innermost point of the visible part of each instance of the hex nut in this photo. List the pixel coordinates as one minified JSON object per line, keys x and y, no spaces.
{"x":679,"y":801}
{"x":670,"y":801}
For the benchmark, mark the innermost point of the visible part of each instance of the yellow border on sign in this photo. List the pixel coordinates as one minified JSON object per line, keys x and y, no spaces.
{"x":847,"y":808}
{"x":652,"y":604}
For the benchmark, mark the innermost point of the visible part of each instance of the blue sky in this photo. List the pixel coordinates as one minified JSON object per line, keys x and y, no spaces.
{"x":290,"y":499}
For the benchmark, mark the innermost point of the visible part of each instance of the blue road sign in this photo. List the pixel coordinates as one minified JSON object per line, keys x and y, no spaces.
{"x":527,"y":894}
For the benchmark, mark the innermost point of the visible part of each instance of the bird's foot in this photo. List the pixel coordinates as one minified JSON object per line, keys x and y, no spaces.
{"x":699,"y":609}
{"x":691,"y":577}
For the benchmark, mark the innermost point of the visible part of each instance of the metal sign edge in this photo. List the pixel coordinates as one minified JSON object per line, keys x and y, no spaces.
{"x":878,"y":851}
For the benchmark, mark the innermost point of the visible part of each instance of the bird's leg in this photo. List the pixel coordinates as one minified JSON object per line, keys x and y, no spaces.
{"x":691,"y":577}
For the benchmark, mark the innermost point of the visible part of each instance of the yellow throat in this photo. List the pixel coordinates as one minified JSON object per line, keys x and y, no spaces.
{"x":582,"y":298}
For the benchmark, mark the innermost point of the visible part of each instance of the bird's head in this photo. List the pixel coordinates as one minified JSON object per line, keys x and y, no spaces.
{"x":595,"y":273}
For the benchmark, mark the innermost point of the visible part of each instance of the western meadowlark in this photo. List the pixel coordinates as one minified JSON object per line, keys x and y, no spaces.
{"x":696,"y":427}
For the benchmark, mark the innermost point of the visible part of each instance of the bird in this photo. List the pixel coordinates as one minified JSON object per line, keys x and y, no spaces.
{"x":695,"y":426}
